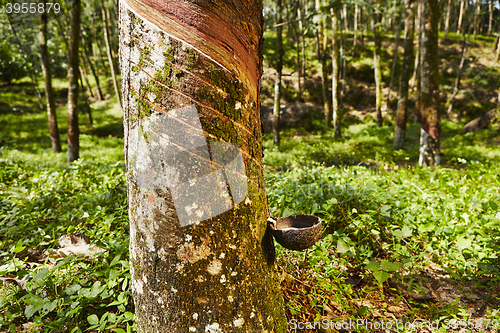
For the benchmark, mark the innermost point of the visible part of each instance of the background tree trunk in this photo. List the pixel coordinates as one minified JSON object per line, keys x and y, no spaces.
{"x":456,"y":88}
{"x":49,"y":92}
{"x":394,"y":64}
{"x":322,"y":44}
{"x":416,"y":67}
{"x":73,"y":61}
{"x":447,"y":20}
{"x":377,"y":69}
{"x":355,"y":41}
{"x":402,"y":111}
{"x":490,"y":18}
{"x":94,"y":73}
{"x":191,"y":71}
{"x":109,"y":53}
{"x":461,"y":15}
{"x":430,"y":132}
{"x":279,"y":68}
{"x":335,"y":75}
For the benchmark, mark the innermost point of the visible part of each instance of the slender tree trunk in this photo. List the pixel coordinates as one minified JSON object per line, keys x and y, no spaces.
{"x":430,"y":133}
{"x":303,"y":42}
{"x":355,"y":38}
{"x":109,"y":53}
{"x":201,"y":256}
{"x":461,"y":15}
{"x":335,"y":75}
{"x":477,"y":13}
{"x":279,"y":68}
{"x":94,"y":73}
{"x":490,"y":19}
{"x":49,"y":93}
{"x":394,"y":64}
{"x":362,"y":31}
{"x":377,"y":69}
{"x":83,"y":75}
{"x":416,"y":67}
{"x":402,"y":111}
{"x":322,"y":44}
{"x":73,"y":61}
{"x":301,"y":52}
{"x":447,"y":20}
{"x":344,"y":17}
{"x":456,"y":88}
{"x":497,"y":57}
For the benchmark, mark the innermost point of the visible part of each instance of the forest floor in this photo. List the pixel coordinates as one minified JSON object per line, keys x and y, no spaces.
{"x":402,"y":244}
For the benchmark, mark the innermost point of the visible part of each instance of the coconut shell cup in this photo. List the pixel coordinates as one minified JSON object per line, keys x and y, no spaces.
{"x":296,"y":232}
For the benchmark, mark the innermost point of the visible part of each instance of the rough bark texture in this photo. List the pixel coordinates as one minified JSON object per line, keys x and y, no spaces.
{"x":277,"y":84}
{"x":402,"y":111}
{"x":429,"y":87}
{"x":490,"y":18}
{"x":215,"y":275}
{"x":47,"y":79}
{"x":73,"y":90}
{"x":109,"y":53}
{"x":377,"y":69}
{"x":335,"y":75}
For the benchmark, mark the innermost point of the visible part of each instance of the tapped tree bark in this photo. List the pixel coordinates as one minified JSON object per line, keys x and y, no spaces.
{"x":49,"y":92}
{"x":277,"y":84}
{"x":73,"y":61}
{"x":402,"y":111}
{"x":430,"y":128}
{"x":201,"y":256}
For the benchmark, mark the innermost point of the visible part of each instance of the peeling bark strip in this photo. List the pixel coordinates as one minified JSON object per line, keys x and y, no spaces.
{"x":191,"y":112}
{"x":227,"y":31}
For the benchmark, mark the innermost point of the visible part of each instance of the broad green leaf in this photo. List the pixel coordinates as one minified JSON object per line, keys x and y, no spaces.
{"x":373,"y":266}
{"x":41,"y":274}
{"x":342,"y":246}
{"x":381,"y":276}
{"x":363,"y":311}
{"x":93,"y":319}
{"x":390,"y":266}
{"x":407,"y":232}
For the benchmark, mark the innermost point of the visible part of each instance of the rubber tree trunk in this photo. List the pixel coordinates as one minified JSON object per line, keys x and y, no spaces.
{"x":110,"y":55}
{"x":279,"y":68}
{"x":430,"y":132}
{"x":201,"y":256}
{"x":49,"y":92}
{"x":402,"y":110}
{"x":73,"y":90}
{"x":335,"y":76}
{"x":377,"y":69}
{"x":92,"y":69}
